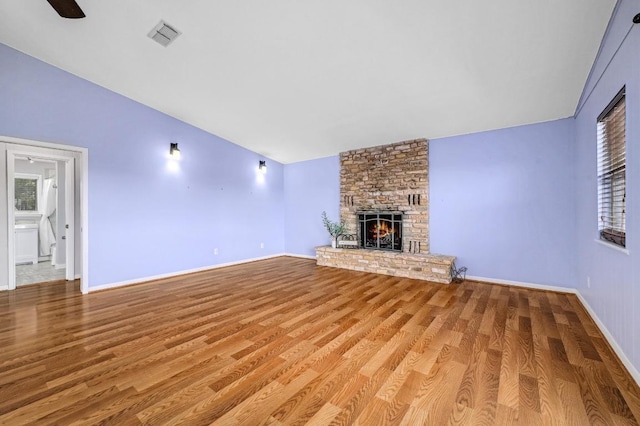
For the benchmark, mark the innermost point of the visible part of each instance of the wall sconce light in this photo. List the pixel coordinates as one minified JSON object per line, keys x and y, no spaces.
{"x":30,"y":160}
{"x":174,"y":152}
{"x":262,"y":167}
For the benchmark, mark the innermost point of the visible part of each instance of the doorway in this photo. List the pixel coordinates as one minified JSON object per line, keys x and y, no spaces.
{"x":40,"y":216}
{"x":46,"y":210}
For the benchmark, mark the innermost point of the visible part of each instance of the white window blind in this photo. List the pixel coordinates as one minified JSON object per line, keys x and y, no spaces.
{"x":612,"y":165}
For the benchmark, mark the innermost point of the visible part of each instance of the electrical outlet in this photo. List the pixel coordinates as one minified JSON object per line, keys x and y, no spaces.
{"x":261,"y":245}
{"x":215,"y":251}
{"x":588,"y":281}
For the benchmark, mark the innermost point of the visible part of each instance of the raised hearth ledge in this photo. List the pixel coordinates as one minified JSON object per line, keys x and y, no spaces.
{"x":420,"y":266}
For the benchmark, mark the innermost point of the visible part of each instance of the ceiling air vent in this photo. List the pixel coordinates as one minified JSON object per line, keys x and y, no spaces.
{"x":164,"y":33}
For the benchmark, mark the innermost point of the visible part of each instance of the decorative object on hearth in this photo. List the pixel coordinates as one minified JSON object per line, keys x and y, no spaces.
{"x":458,"y":275}
{"x":334,"y":228}
{"x":348,"y":241}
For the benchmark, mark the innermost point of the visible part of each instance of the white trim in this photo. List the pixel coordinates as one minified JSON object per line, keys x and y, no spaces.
{"x":84,"y":197}
{"x":611,"y":340}
{"x":83,"y":276}
{"x":70,"y":217}
{"x":302,"y":256}
{"x":177,"y":273}
{"x":11,"y":220}
{"x":524,"y":284}
{"x":612,"y":246}
{"x":50,"y":145}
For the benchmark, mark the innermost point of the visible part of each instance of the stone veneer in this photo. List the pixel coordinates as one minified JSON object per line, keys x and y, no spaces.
{"x":423,"y":266}
{"x":389,"y":178}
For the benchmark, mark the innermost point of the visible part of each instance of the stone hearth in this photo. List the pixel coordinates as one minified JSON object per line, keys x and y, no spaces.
{"x":420,"y":266}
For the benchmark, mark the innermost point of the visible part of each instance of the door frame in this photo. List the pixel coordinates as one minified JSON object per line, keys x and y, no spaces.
{"x":69,"y":206}
{"x":77,"y":161}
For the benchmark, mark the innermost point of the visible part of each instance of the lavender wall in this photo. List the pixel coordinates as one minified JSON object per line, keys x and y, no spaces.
{"x":502,"y":202}
{"x":145,"y":219}
{"x":614,"y":276}
{"x":310,"y":187}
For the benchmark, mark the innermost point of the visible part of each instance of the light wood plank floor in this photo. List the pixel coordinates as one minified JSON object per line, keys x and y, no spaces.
{"x":283,"y":341}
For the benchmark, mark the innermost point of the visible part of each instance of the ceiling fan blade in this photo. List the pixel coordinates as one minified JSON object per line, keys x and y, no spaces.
{"x":67,"y":8}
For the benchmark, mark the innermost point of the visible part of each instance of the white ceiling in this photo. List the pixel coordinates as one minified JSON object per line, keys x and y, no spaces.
{"x":296,"y":80}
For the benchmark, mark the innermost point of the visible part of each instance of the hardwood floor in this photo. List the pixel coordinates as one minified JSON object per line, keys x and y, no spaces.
{"x":283,"y":341}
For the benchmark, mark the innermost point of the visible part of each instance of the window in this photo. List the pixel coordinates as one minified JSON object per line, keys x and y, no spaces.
{"x":612,"y":189}
{"x":27,"y":190}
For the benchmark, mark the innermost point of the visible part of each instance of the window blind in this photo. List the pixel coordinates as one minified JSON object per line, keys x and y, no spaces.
{"x":612,"y":172}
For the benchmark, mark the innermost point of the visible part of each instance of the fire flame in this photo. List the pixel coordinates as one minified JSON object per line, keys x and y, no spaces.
{"x":381,"y":231}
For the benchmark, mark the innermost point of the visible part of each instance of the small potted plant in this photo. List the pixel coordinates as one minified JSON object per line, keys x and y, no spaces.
{"x":334,"y":228}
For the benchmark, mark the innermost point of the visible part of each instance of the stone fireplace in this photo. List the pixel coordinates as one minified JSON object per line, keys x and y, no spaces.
{"x":384,"y":201}
{"x":392,"y":179}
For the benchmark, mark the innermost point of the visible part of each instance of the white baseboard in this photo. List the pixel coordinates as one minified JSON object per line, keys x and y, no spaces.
{"x":302,"y":256}
{"x":177,"y":273}
{"x":524,"y":284}
{"x":612,"y":341}
{"x":633,"y":371}
{"x":58,"y":266}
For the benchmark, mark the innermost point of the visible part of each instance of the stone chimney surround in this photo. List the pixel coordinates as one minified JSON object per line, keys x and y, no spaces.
{"x":388,"y":178}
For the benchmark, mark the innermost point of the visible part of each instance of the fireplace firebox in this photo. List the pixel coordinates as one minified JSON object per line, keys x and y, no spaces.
{"x":380,"y":230}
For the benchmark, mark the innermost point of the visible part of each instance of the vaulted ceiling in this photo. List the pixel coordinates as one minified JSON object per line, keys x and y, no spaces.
{"x":296,"y":80}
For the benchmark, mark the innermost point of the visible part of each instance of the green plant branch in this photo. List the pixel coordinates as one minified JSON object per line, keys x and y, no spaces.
{"x":334,"y":228}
